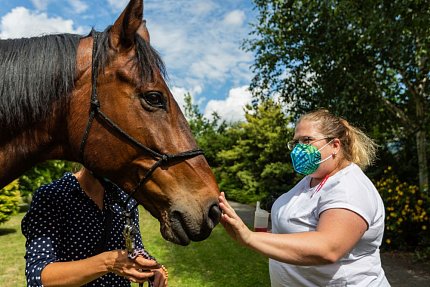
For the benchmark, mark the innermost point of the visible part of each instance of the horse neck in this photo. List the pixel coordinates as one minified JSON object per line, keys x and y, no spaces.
{"x":39,"y":142}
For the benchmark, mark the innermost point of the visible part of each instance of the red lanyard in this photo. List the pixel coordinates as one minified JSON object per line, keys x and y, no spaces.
{"x":320,"y":185}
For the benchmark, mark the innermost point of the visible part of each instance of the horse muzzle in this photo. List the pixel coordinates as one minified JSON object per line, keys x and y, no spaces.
{"x":182,"y":227}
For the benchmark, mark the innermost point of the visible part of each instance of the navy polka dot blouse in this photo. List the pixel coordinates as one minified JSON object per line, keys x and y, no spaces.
{"x":64,"y":224}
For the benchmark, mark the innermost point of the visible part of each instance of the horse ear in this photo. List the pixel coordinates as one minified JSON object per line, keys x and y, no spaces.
{"x":125,"y":27}
{"x":143,"y":31}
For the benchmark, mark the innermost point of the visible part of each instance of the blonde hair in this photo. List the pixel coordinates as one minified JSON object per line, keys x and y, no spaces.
{"x":357,"y":147}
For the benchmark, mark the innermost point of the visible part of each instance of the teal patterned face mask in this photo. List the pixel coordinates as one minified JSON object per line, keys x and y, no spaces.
{"x":307,"y":158}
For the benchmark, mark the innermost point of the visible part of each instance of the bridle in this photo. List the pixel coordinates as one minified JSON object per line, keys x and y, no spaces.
{"x":95,"y":111}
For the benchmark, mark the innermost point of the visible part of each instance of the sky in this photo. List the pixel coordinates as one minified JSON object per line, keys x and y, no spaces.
{"x":199,"y":41}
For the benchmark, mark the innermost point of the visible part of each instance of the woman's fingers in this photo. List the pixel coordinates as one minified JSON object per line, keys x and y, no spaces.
{"x":157,"y":281}
{"x":225,"y":206}
{"x":137,"y":270}
{"x":138,"y":273}
{"x":139,"y":276}
{"x":228,"y":213}
{"x":160,"y":279}
{"x":224,"y":200}
{"x":146,"y":263}
{"x":150,"y":270}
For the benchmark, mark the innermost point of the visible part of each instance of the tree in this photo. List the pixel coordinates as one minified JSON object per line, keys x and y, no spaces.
{"x":39,"y":175}
{"x":44,"y":173}
{"x":9,"y":200}
{"x":258,"y":166}
{"x":366,"y":60}
{"x":210,"y":134}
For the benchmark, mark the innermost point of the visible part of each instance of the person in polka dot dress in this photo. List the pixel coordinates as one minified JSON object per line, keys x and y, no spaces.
{"x":74,"y":236}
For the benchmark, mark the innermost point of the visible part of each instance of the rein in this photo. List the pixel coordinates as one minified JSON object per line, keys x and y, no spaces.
{"x":95,"y":111}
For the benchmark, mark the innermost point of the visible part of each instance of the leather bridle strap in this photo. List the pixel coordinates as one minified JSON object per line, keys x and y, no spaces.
{"x":95,"y":111}
{"x":94,"y":104}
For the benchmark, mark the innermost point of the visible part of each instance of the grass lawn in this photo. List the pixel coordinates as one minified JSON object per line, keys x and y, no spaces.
{"x":217,"y":261}
{"x":12,"y":250}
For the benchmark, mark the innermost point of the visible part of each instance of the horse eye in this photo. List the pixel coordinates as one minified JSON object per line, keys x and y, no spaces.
{"x":154,"y":99}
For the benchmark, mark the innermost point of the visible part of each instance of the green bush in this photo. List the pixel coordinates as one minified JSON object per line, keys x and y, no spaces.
{"x":43,"y":173}
{"x":407,"y":214}
{"x":257,"y":167}
{"x":9,"y":200}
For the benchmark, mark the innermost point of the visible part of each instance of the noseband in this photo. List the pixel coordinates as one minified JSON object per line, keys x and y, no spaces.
{"x":162,"y":159}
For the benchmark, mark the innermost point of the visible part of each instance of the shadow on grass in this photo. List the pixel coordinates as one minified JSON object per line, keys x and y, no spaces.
{"x":5,"y":231}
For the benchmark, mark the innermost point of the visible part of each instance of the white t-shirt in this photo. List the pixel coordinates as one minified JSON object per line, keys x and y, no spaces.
{"x":298,"y":211}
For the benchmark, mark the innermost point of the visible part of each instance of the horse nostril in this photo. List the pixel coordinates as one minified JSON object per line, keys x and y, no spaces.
{"x":214,"y":215}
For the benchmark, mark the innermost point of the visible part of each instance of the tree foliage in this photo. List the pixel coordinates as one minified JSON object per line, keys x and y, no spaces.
{"x":250,"y":159}
{"x":25,"y":185}
{"x":257,"y":167}
{"x":43,"y":173}
{"x":210,"y":134}
{"x":366,"y":60}
{"x":407,"y":213}
{"x":9,"y":200}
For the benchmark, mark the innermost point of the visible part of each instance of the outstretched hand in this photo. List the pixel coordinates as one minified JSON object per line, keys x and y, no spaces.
{"x":232,"y":223}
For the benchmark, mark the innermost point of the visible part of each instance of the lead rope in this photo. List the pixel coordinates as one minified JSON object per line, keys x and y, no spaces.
{"x":129,"y":233}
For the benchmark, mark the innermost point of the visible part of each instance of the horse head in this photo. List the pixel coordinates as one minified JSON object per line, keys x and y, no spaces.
{"x":135,"y":133}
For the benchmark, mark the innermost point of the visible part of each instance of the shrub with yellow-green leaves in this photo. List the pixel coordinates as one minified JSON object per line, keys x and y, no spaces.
{"x":9,"y":200}
{"x":406,"y":213}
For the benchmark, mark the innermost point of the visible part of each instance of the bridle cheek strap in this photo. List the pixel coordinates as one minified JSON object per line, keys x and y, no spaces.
{"x":162,"y":159}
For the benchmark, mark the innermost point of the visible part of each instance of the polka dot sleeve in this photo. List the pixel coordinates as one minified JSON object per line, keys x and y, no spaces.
{"x":40,"y":226}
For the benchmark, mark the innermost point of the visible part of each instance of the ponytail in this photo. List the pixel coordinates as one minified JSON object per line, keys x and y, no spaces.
{"x":357,"y":147}
{"x":361,"y":149}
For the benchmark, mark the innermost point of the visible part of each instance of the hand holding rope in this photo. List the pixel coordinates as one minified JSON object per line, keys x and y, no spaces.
{"x":129,"y":233}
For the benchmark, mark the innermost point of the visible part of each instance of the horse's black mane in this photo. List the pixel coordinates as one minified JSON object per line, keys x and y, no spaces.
{"x":36,"y":72}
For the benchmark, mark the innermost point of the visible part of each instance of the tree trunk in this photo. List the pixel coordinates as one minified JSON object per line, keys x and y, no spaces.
{"x":422,"y":155}
{"x":422,"y":162}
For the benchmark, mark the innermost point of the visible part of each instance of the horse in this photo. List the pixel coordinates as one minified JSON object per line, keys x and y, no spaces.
{"x":102,"y":100}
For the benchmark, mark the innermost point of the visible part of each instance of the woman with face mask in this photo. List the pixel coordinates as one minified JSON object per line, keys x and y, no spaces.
{"x":326,"y":231}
